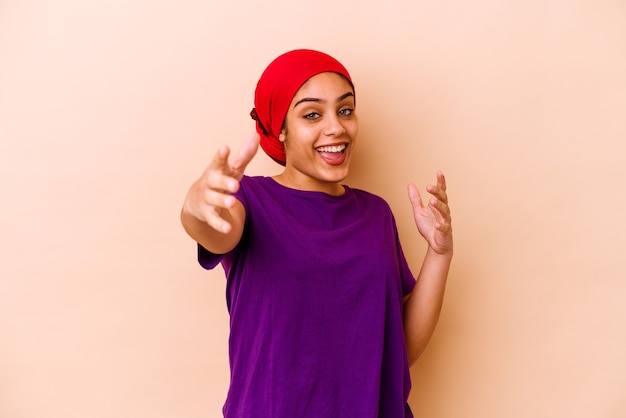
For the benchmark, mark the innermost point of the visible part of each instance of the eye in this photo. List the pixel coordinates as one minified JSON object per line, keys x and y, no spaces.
{"x":312,"y":116}
{"x":346,"y":112}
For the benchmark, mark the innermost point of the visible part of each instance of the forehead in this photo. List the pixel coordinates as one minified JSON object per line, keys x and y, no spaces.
{"x":326,"y":83}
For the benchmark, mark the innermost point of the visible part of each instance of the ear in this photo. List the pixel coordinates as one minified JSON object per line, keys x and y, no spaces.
{"x":282,"y":137}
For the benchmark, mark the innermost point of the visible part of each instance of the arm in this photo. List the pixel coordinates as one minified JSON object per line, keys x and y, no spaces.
{"x":423,"y":305}
{"x":210,"y":214}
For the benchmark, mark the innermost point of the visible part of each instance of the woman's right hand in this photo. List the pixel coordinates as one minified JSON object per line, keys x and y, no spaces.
{"x":210,"y":197}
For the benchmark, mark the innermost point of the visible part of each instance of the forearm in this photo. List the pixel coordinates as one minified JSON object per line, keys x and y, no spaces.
{"x":215,"y":241}
{"x":421,"y":310}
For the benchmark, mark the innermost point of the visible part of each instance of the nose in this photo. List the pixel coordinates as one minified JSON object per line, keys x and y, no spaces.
{"x":334,"y":127}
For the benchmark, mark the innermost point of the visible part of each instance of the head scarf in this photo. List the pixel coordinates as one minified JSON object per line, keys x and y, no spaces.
{"x":276,"y":88}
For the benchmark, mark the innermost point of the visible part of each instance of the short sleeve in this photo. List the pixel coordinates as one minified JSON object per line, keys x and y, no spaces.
{"x":406,"y":276}
{"x":207,"y":259}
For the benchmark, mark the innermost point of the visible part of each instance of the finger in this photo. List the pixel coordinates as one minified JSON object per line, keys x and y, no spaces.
{"x":214,"y":203}
{"x":438,"y":193}
{"x":440,"y":209}
{"x":217,"y":180}
{"x":217,"y":222}
{"x":207,"y":207}
{"x":441,"y":212}
{"x":441,"y":180}
{"x":444,"y":227}
{"x":245,"y":155}
{"x":218,"y":200}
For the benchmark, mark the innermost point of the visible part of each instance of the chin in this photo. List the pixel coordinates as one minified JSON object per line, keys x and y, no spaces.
{"x":336,"y":175}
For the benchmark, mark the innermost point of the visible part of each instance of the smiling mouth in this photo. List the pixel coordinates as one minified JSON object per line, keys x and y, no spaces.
{"x":333,"y":148}
{"x":333,"y":155}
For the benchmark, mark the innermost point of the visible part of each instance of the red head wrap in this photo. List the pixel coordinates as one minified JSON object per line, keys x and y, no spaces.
{"x":276,"y":88}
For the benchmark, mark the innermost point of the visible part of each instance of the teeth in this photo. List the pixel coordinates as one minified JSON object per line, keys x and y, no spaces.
{"x":335,"y":148}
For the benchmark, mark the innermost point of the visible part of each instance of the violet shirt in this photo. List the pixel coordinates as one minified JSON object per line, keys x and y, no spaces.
{"x":314,"y":291}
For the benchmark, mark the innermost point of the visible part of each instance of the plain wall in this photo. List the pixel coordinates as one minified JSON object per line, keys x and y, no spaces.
{"x":109,"y":110}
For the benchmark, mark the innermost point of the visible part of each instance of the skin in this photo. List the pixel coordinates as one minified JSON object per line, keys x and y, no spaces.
{"x":322,"y":114}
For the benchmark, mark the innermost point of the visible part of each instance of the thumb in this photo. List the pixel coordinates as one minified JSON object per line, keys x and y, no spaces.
{"x":414,"y":196}
{"x":245,"y":155}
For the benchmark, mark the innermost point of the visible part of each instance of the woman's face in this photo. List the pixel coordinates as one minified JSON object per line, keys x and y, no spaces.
{"x":319,"y":135}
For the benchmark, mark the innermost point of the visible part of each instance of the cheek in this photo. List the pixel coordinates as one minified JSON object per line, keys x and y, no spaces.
{"x":353,"y":129}
{"x":301,"y":135}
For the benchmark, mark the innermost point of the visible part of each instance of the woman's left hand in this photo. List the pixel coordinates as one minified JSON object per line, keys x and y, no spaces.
{"x":433,"y":220}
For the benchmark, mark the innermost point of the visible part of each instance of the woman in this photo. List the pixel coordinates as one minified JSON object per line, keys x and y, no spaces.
{"x":325,"y":314}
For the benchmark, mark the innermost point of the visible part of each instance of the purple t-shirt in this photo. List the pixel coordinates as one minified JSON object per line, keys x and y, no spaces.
{"x":314,"y":291}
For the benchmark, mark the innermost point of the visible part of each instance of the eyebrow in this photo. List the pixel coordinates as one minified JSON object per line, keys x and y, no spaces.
{"x":315,"y":100}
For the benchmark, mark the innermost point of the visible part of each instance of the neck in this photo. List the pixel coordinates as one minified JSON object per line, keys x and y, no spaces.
{"x":330,"y":188}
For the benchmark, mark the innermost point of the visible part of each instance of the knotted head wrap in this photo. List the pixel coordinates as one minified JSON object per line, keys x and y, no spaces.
{"x":276,"y":88}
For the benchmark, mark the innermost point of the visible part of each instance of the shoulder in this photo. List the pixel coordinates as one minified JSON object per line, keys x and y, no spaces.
{"x":370,"y":200}
{"x":253,"y":184}
{"x":258,"y":190}
{"x":367,"y":196}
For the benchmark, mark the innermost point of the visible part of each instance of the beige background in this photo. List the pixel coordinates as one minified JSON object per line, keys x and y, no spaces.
{"x":110,"y":109}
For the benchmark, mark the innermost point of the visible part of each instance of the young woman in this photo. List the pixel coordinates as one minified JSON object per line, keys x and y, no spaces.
{"x":325,"y":314}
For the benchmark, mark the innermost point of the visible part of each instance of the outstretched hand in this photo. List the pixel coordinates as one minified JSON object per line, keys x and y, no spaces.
{"x":211,"y":194}
{"x":433,"y":220}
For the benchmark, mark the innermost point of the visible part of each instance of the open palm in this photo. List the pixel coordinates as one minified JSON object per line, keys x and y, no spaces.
{"x":433,"y":220}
